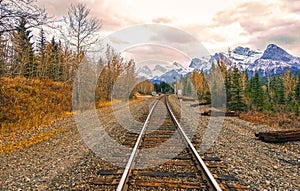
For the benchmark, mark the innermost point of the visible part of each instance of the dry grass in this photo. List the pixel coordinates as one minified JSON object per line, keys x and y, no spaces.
{"x":27,"y":106}
{"x":31,"y":102}
{"x":278,"y":120}
{"x":28,"y":109}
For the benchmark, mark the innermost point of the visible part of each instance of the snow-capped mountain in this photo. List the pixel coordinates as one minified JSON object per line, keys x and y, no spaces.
{"x":160,"y":70}
{"x":241,"y":57}
{"x":273,"y":60}
{"x":202,"y":64}
{"x":144,"y":72}
{"x":170,"y":76}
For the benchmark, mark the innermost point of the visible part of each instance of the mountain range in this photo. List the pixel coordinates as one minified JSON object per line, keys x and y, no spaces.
{"x":273,"y":60}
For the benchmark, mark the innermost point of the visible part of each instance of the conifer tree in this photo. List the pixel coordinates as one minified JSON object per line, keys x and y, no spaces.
{"x":23,"y":56}
{"x":297,"y":90}
{"x":257,"y":94}
{"x":41,"y":53}
{"x":281,"y":92}
{"x":236,"y":103}
{"x":228,"y":85}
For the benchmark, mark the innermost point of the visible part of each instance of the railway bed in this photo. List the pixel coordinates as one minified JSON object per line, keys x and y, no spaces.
{"x":163,"y":158}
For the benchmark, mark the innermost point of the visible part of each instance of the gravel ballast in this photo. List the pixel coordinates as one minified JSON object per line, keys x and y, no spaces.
{"x":65,"y":162}
{"x":260,"y":165}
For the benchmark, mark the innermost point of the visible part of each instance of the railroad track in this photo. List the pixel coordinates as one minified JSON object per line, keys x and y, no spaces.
{"x":162,"y":158}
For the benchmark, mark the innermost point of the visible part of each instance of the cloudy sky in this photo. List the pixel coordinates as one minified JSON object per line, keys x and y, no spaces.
{"x":217,"y":24}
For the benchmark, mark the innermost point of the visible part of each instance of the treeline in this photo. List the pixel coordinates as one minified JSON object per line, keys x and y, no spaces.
{"x":42,"y":59}
{"x":273,"y":94}
{"x":279,"y":93}
{"x":38,"y":72}
{"x":144,"y":87}
{"x":22,"y":54}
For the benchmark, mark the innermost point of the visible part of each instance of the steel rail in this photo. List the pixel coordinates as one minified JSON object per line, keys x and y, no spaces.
{"x":125,"y":174}
{"x":212,"y":180}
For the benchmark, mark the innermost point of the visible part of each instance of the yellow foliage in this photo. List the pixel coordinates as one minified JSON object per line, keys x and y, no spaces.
{"x":27,"y":105}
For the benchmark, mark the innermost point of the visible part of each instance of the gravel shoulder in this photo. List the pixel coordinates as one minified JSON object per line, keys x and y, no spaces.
{"x":62,"y":162}
{"x":262,"y":166}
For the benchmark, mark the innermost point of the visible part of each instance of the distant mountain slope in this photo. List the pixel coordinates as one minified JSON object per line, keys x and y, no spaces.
{"x":273,"y":60}
{"x":161,"y":72}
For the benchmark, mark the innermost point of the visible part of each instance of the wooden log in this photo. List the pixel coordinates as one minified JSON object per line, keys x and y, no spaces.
{"x":279,"y":136}
{"x":220,"y":113}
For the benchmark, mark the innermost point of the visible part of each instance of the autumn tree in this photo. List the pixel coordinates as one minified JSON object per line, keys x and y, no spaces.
{"x":116,"y":76}
{"x":289,"y":83}
{"x":80,"y":34}
{"x":145,"y":87}
{"x":199,"y":83}
{"x":123,"y":86}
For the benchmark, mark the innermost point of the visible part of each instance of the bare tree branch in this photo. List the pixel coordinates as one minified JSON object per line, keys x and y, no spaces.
{"x":12,"y":10}
{"x":81,"y":28}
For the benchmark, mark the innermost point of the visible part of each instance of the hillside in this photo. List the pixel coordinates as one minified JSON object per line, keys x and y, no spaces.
{"x":27,"y":105}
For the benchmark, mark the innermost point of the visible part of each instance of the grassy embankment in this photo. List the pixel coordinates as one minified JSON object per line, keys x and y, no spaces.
{"x":28,"y":108}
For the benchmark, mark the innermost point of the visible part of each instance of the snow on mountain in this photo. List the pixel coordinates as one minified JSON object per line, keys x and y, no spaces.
{"x":174,"y":70}
{"x":159,"y":71}
{"x":144,"y":72}
{"x":241,"y":57}
{"x":202,"y":64}
{"x":169,"y":76}
{"x":273,"y":60}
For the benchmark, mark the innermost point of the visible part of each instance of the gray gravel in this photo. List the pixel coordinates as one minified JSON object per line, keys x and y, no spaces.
{"x":262,"y":166}
{"x":65,"y":162}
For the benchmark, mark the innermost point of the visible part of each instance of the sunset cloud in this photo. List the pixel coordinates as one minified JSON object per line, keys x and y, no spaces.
{"x":216,"y":24}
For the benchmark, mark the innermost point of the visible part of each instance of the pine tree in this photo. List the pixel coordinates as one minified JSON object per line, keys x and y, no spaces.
{"x":228,"y":85}
{"x":41,"y":54}
{"x":281,"y":92}
{"x":23,"y":55}
{"x":297,"y":90}
{"x":236,"y":103}
{"x":186,"y":86}
{"x":54,"y":61}
{"x":257,"y":94}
